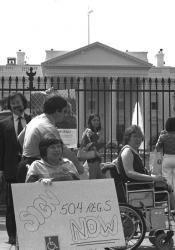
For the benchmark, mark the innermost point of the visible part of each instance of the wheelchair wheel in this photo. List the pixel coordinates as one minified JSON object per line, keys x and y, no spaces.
{"x":154,"y":233}
{"x":151,"y":238}
{"x":134,"y":226}
{"x":161,"y":244}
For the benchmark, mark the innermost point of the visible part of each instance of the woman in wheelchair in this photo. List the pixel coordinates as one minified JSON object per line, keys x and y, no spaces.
{"x":129,"y":166}
{"x":52,"y":166}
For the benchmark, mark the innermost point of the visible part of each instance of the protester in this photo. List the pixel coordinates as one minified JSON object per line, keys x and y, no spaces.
{"x":52,"y":166}
{"x":10,"y":153}
{"x":55,"y":110}
{"x":166,"y":143}
{"x":130,"y":164}
{"x":92,"y":141}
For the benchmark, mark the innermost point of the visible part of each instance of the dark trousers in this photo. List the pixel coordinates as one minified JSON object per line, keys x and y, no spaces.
{"x":10,"y":215}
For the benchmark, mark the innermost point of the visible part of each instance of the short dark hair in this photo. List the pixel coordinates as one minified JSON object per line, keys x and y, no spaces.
{"x":53,"y":104}
{"x":13,"y":95}
{"x":91,"y":117}
{"x":170,"y":124}
{"x":45,"y":143}
{"x":133,"y":129}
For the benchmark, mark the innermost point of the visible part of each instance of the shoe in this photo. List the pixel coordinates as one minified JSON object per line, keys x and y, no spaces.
{"x":12,"y":240}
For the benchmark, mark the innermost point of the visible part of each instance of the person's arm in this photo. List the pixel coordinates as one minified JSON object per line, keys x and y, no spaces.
{"x":68,"y":171}
{"x":127,"y":159}
{"x":67,"y":153}
{"x":84,"y":155}
{"x":160,"y":141}
{"x":32,"y":178}
{"x":32,"y":173}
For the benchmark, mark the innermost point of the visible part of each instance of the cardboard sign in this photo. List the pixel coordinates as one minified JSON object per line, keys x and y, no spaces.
{"x":69,"y":137}
{"x":69,"y":215}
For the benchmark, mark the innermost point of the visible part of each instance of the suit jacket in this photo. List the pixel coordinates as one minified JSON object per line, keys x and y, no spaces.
{"x":9,"y":147}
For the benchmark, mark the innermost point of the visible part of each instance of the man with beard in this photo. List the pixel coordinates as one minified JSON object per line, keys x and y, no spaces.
{"x":10,"y":153}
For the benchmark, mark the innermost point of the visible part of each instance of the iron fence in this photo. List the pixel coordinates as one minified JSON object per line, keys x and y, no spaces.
{"x":120,"y":102}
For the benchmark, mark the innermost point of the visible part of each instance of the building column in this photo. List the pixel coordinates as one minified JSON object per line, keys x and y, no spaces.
{"x":80,"y":111}
{"x":113,"y":112}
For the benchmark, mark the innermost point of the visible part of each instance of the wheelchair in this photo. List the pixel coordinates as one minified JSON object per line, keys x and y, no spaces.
{"x":145,"y":213}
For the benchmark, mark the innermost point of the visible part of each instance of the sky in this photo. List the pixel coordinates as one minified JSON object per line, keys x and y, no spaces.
{"x":34,"y":26}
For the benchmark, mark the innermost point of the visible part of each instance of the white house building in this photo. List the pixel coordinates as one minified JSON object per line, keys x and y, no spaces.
{"x":100,"y":61}
{"x":127,"y":85}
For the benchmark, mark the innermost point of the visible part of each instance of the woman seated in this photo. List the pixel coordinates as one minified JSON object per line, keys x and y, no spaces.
{"x":52,"y":166}
{"x":130,"y":165}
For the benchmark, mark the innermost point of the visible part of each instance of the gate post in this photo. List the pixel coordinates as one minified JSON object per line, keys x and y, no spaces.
{"x":31,"y":75}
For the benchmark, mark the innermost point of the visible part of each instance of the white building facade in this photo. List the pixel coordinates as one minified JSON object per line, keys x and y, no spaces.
{"x":131,"y":69}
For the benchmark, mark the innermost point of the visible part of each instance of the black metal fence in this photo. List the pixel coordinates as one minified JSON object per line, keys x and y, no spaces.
{"x":119,"y":101}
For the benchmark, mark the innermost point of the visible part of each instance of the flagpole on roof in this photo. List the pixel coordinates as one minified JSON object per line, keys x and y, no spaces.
{"x":89,"y":12}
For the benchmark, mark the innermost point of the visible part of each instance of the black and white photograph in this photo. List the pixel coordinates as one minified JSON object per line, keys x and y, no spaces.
{"x":87,"y":125}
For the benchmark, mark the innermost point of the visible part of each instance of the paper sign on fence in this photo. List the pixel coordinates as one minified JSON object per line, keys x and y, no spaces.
{"x":70,"y":215}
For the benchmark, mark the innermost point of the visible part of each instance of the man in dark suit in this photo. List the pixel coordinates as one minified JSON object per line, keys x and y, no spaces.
{"x":10,"y":153}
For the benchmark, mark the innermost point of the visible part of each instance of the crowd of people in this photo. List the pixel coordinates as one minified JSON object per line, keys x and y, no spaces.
{"x":31,"y":150}
{"x":21,"y":146}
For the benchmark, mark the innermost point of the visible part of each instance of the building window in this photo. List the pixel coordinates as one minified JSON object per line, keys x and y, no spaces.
{"x":154,"y":105}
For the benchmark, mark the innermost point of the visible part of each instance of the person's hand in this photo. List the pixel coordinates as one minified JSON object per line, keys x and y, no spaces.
{"x":88,"y":146}
{"x":159,"y":178}
{"x":89,"y":133}
{"x":46,"y":181}
{"x":163,"y":132}
{"x":160,"y":182}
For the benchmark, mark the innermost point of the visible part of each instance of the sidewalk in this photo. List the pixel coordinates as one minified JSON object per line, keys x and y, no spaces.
{"x":5,"y":246}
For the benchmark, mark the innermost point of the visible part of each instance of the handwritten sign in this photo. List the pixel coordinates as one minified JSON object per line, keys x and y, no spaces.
{"x":68,"y":215}
{"x":69,"y":137}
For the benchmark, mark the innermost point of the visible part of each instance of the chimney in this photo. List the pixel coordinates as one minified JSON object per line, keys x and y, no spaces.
{"x":160,"y":58}
{"x":20,"y":57}
{"x":54,"y":53}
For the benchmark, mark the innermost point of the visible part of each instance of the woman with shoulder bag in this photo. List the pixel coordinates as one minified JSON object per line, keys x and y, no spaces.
{"x":90,"y":144}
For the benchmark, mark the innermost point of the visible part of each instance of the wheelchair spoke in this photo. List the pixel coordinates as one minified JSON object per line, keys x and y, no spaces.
{"x":133,"y":225}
